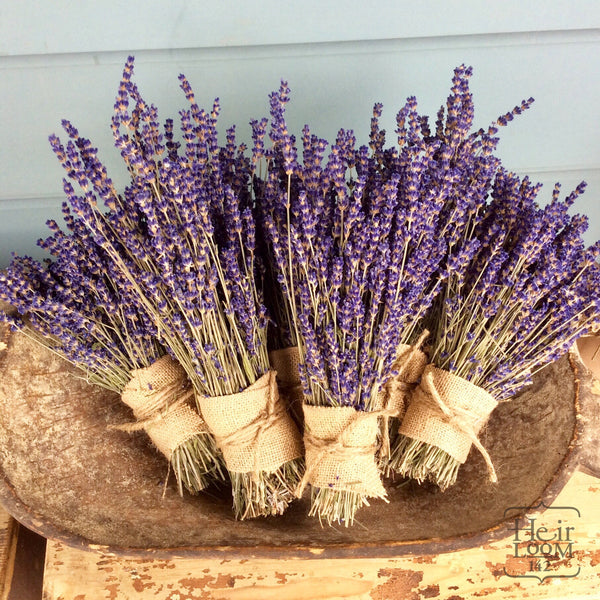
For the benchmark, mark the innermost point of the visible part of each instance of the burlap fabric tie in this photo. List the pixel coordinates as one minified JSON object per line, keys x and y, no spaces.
{"x":410,"y":363}
{"x":448,"y":412}
{"x":159,"y":396}
{"x":394,"y":396}
{"x":340,"y":445}
{"x":286,"y":362}
{"x":252,"y":428}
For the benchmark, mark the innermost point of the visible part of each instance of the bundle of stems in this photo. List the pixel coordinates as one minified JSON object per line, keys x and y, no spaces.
{"x":464,"y":160}
{"x":182,"y":237}
{"x":361,"y":249}
{"x":80,"y":308}
{"x":358,"y":252}
{"x":529,"y":292}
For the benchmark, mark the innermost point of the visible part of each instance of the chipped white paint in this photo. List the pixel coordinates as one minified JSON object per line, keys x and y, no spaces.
{"x":477,"y":572}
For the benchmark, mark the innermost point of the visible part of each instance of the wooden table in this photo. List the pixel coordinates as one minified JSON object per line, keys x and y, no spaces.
{"x":72,"y":574}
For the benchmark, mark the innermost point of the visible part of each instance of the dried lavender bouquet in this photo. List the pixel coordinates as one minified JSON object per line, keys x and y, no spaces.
{"x":463,"y":165}
{"x":357,"y":258}
{"x":530,"y":291}
{"x":186,"y":224}
{"x":79,"y":307}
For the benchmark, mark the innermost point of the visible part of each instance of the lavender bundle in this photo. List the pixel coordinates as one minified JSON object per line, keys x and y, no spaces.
{"x":80,"y":308}
{"x":358,"y":258}
{"x":182,"y":236}
{"x":530,"y":291}
{"x":465,"y":164}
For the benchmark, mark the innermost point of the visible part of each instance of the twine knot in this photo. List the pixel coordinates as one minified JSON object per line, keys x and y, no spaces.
{"x":159,"y":396}
{"x":464,"y":420}
{"x":252,"y":433}
{"x":338,"y":445}
{"x":161,"y":410}
{"x":252,"y":427}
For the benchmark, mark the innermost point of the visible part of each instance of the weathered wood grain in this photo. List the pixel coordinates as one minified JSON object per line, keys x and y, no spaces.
{"x":8,"y":547}
{"x":475,"y":573}
{"x":589,"y":352}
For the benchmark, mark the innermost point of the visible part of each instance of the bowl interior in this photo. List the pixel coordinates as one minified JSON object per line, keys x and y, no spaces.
{"x":69,"y":477}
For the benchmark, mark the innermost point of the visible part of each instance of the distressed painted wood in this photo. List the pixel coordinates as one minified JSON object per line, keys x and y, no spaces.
{"x":8,"y":546}
{"x":479,"y":572}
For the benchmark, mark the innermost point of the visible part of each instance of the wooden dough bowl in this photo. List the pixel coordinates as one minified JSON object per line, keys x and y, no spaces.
{"x":69,"y":478}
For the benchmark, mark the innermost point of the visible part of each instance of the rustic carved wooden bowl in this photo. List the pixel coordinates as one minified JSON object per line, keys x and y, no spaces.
{"x":68,"y":477}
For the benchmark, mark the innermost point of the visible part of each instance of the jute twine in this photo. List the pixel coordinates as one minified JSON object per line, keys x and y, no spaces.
{"x":286,"y":362}
{"x":159,"y":396}
{"x":409,"y":364}
{"x":340,"y":445}
{"x":252,"y":428}
{"x":448,"y":412}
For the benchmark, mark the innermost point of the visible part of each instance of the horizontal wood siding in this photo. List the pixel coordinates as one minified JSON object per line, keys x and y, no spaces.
{"x":338,"y":57}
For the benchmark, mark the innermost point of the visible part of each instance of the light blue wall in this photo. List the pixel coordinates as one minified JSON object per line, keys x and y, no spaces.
{"x":64,"y":59}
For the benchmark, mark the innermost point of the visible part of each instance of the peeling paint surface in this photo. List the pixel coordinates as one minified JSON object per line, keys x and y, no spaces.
{"x":460,"y":575}
{"x":400,"y":584}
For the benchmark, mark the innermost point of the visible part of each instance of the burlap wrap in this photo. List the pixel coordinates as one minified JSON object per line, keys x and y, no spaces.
{"x":286,"y":363}
{"x":252,"y":428}
{"x":159,"y":396}
{"x":340,"y":445}
{"x":396,"y":393}
{"x":410,"y":363}
{"x":448,"y":412}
